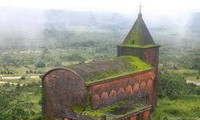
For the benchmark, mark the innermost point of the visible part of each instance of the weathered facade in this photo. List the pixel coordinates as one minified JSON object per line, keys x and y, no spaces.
{"x":120,"y":88}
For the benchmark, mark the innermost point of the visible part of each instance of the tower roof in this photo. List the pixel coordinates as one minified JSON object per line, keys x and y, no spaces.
{"x":139,"y":34}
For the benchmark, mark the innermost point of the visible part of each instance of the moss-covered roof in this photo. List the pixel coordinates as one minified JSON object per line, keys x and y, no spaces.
{"x":138,"y":46}
{"x":139,"y":34}
{"x":103,"y":69}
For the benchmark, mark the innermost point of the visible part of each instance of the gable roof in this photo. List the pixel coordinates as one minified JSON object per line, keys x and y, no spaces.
{"x":139,"y":34}
{"x":102,"y":69}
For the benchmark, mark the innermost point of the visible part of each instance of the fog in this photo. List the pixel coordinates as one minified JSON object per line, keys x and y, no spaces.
{"x":20,"y":21}
{"x":26,"y":20}
{"x":123,"y":6}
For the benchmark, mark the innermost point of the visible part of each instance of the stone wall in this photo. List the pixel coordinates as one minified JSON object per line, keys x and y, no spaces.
{"x":137,"y":86}
{"x":62,"y":88}
{"x":143,"y":114}
{"x":151,"y":56}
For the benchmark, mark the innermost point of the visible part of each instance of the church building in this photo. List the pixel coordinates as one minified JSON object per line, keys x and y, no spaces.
{"x":121,"y":88}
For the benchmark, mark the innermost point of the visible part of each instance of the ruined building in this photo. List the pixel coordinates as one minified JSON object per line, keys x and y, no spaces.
{"x":122,"y":88}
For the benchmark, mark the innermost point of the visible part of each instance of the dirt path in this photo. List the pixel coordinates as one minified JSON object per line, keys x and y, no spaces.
{"x":2,"y":83}
{"x":194,"y":82}
{"x":11,"y":83}
{"x":18,"y":77}
{"x":15,"y":78}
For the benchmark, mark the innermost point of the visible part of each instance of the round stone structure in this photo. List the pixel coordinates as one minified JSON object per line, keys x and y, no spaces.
{"x":62,"y":89}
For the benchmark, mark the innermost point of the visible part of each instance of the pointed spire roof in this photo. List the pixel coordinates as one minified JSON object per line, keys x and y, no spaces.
{"x":139,"y":34}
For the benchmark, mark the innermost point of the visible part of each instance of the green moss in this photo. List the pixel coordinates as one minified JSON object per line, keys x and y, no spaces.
{"x":138,"y":46}
{"x":136,"y":63}
{"x":139,"y":34}
{"x":127,"y":106}
{"x":101,"y":70}
{"x":77,"y":108}
{"x":101,"y":111}
{"x":88,"y":100}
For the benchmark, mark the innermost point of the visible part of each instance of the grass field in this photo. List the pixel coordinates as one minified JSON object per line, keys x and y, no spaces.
{"x":22,"y":81}
{"x":183,"y":107}
{"x":188,"y":74}
{"x":20,"y":102}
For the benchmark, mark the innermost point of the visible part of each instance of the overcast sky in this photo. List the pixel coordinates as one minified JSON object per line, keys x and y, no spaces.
{"x":154,"y":11}
{"x":14,"y":21}
{"x":123,"y":6}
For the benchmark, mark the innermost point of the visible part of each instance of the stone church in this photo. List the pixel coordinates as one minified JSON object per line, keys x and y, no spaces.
{"x":121,"y":88}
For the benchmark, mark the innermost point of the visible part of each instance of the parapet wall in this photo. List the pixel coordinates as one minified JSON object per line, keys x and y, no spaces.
{"x":137,"y":86}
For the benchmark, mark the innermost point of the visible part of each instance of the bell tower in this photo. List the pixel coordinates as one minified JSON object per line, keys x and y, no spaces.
{"x":139,"y":42}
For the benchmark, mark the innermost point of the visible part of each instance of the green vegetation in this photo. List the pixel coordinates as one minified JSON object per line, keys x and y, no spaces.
{"x":171,"y":84}
{"x":136,"y":63}
{"x":116,"y":110}
{"x":183,"y":107}
{"x":22,"y":81}
{"x":177,"y":100}
{"x":139,"y":34}
{"x":20,"y":102}
{"x":40,"y":64}
{"x":188,"y":74}
{"x":17,"y":62}
{"x":139,"y":46}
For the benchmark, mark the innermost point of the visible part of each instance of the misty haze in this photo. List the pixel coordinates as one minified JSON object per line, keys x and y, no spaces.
{"x":24,"y":28}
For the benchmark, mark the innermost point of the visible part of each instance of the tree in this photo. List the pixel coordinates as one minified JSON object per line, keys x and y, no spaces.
{"x":170,"y":84}
{"x":8,"y":60}
{"x":40,"y":64}
{"x":76,"y":57}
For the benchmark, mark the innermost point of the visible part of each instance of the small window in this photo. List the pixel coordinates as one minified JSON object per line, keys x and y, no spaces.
{"x":133,"y":42}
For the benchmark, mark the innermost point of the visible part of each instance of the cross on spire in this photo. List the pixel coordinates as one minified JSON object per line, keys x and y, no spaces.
{"x":140,"y":6}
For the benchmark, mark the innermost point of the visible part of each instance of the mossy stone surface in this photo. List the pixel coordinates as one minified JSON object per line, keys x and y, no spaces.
{"x":139,"y":34}
{"x":114,"y":111}
{"x":138,"y":46}
{"x":118,"y":66}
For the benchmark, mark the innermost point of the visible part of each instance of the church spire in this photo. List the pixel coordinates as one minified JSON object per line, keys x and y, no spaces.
{"x":139,"y":33}
{"x":140,"y":10}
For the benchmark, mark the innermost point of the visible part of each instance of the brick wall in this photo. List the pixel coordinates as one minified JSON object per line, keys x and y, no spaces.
{"x":62,"y":88}
{"x":138,"y":86}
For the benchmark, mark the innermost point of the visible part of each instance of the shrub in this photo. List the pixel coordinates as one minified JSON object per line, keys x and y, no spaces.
{"x":40,"y":64}
{"x":196,"y":110}
{"x":158,"y":115}
{"x":23,"y":78}
{"x":75,"y":57}
{"x":174,"y":111}
{"x":170,"y":84}
{"x":193,"y":89}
